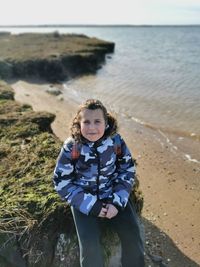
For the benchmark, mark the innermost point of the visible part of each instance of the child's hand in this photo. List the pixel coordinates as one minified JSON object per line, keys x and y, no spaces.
{"x":103,"y":212}
{"x":111,"y":211}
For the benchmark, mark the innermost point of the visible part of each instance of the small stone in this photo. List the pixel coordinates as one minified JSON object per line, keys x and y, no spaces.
{"x":53,"y":91}
{"x":156,"y":258}
{"x":60,"y":97}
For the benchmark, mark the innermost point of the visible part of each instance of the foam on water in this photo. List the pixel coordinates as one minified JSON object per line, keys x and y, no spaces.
{"x":188,"y":157}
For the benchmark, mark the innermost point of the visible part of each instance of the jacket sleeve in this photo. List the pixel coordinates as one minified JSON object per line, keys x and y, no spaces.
{"x":64,"y":182}
{"x":125,"y":178}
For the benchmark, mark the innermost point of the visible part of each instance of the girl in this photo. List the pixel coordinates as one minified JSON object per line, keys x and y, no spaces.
{"x":96,"y":180}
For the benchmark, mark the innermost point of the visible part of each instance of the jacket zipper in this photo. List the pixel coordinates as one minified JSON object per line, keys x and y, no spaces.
{"x":98,"y":169}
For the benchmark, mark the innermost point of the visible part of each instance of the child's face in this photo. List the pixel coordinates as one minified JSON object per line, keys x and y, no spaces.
{"x":92,"y":124}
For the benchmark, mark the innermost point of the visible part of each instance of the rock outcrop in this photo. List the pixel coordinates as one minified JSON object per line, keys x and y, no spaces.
{"x":53,"y":57}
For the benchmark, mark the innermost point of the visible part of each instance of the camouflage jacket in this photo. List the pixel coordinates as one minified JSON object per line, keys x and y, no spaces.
{"x":98,"y":176}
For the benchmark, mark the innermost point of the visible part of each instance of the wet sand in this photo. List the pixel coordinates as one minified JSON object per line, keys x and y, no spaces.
{"x":169,"y":181}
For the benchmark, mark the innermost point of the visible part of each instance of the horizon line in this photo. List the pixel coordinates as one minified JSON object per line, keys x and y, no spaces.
{"x":94,"y":25}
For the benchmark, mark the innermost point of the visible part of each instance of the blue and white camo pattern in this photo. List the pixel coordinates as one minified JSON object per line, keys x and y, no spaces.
{"x":97,"y":174}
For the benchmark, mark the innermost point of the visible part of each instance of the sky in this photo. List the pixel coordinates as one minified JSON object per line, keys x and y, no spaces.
{"x":133,"y":12}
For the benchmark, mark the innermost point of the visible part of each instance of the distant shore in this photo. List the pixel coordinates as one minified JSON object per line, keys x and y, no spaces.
{"x":168,"y":182}
{"x":97,"y":25}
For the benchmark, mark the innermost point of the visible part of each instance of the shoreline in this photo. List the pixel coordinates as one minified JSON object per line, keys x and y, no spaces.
{"x":187,"y":144}
{"x":169,"y":183}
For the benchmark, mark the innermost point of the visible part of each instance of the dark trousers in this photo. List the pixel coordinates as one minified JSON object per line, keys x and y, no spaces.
{"x":125,"y":224}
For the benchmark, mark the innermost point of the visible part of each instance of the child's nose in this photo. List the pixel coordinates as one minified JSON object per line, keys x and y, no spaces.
{"x":92,"y":125}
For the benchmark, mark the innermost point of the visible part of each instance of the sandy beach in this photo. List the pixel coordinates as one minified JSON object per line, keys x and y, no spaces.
{"x":169,"y":182}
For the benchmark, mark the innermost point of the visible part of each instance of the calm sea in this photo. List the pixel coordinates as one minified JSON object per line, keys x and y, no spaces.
{"x":153,"y":77}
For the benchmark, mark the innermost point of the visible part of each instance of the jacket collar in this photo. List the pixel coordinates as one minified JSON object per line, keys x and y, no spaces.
{"x":93,"y":144}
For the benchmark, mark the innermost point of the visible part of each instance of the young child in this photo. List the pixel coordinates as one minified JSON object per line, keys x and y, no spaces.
{"x":96,"y":179}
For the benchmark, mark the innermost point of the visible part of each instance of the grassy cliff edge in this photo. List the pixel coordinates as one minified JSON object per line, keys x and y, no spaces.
{"x":53,"y":56}
{"x":30,"y":208}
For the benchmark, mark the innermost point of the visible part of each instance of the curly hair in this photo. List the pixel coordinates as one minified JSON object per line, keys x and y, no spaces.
{"x":93,"y":104}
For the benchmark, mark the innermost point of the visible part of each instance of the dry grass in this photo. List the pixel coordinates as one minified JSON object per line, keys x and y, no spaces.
{"x":35,"y":45}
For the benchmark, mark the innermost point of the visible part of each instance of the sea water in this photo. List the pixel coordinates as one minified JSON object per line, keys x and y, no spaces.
{"x":153,"y":76}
